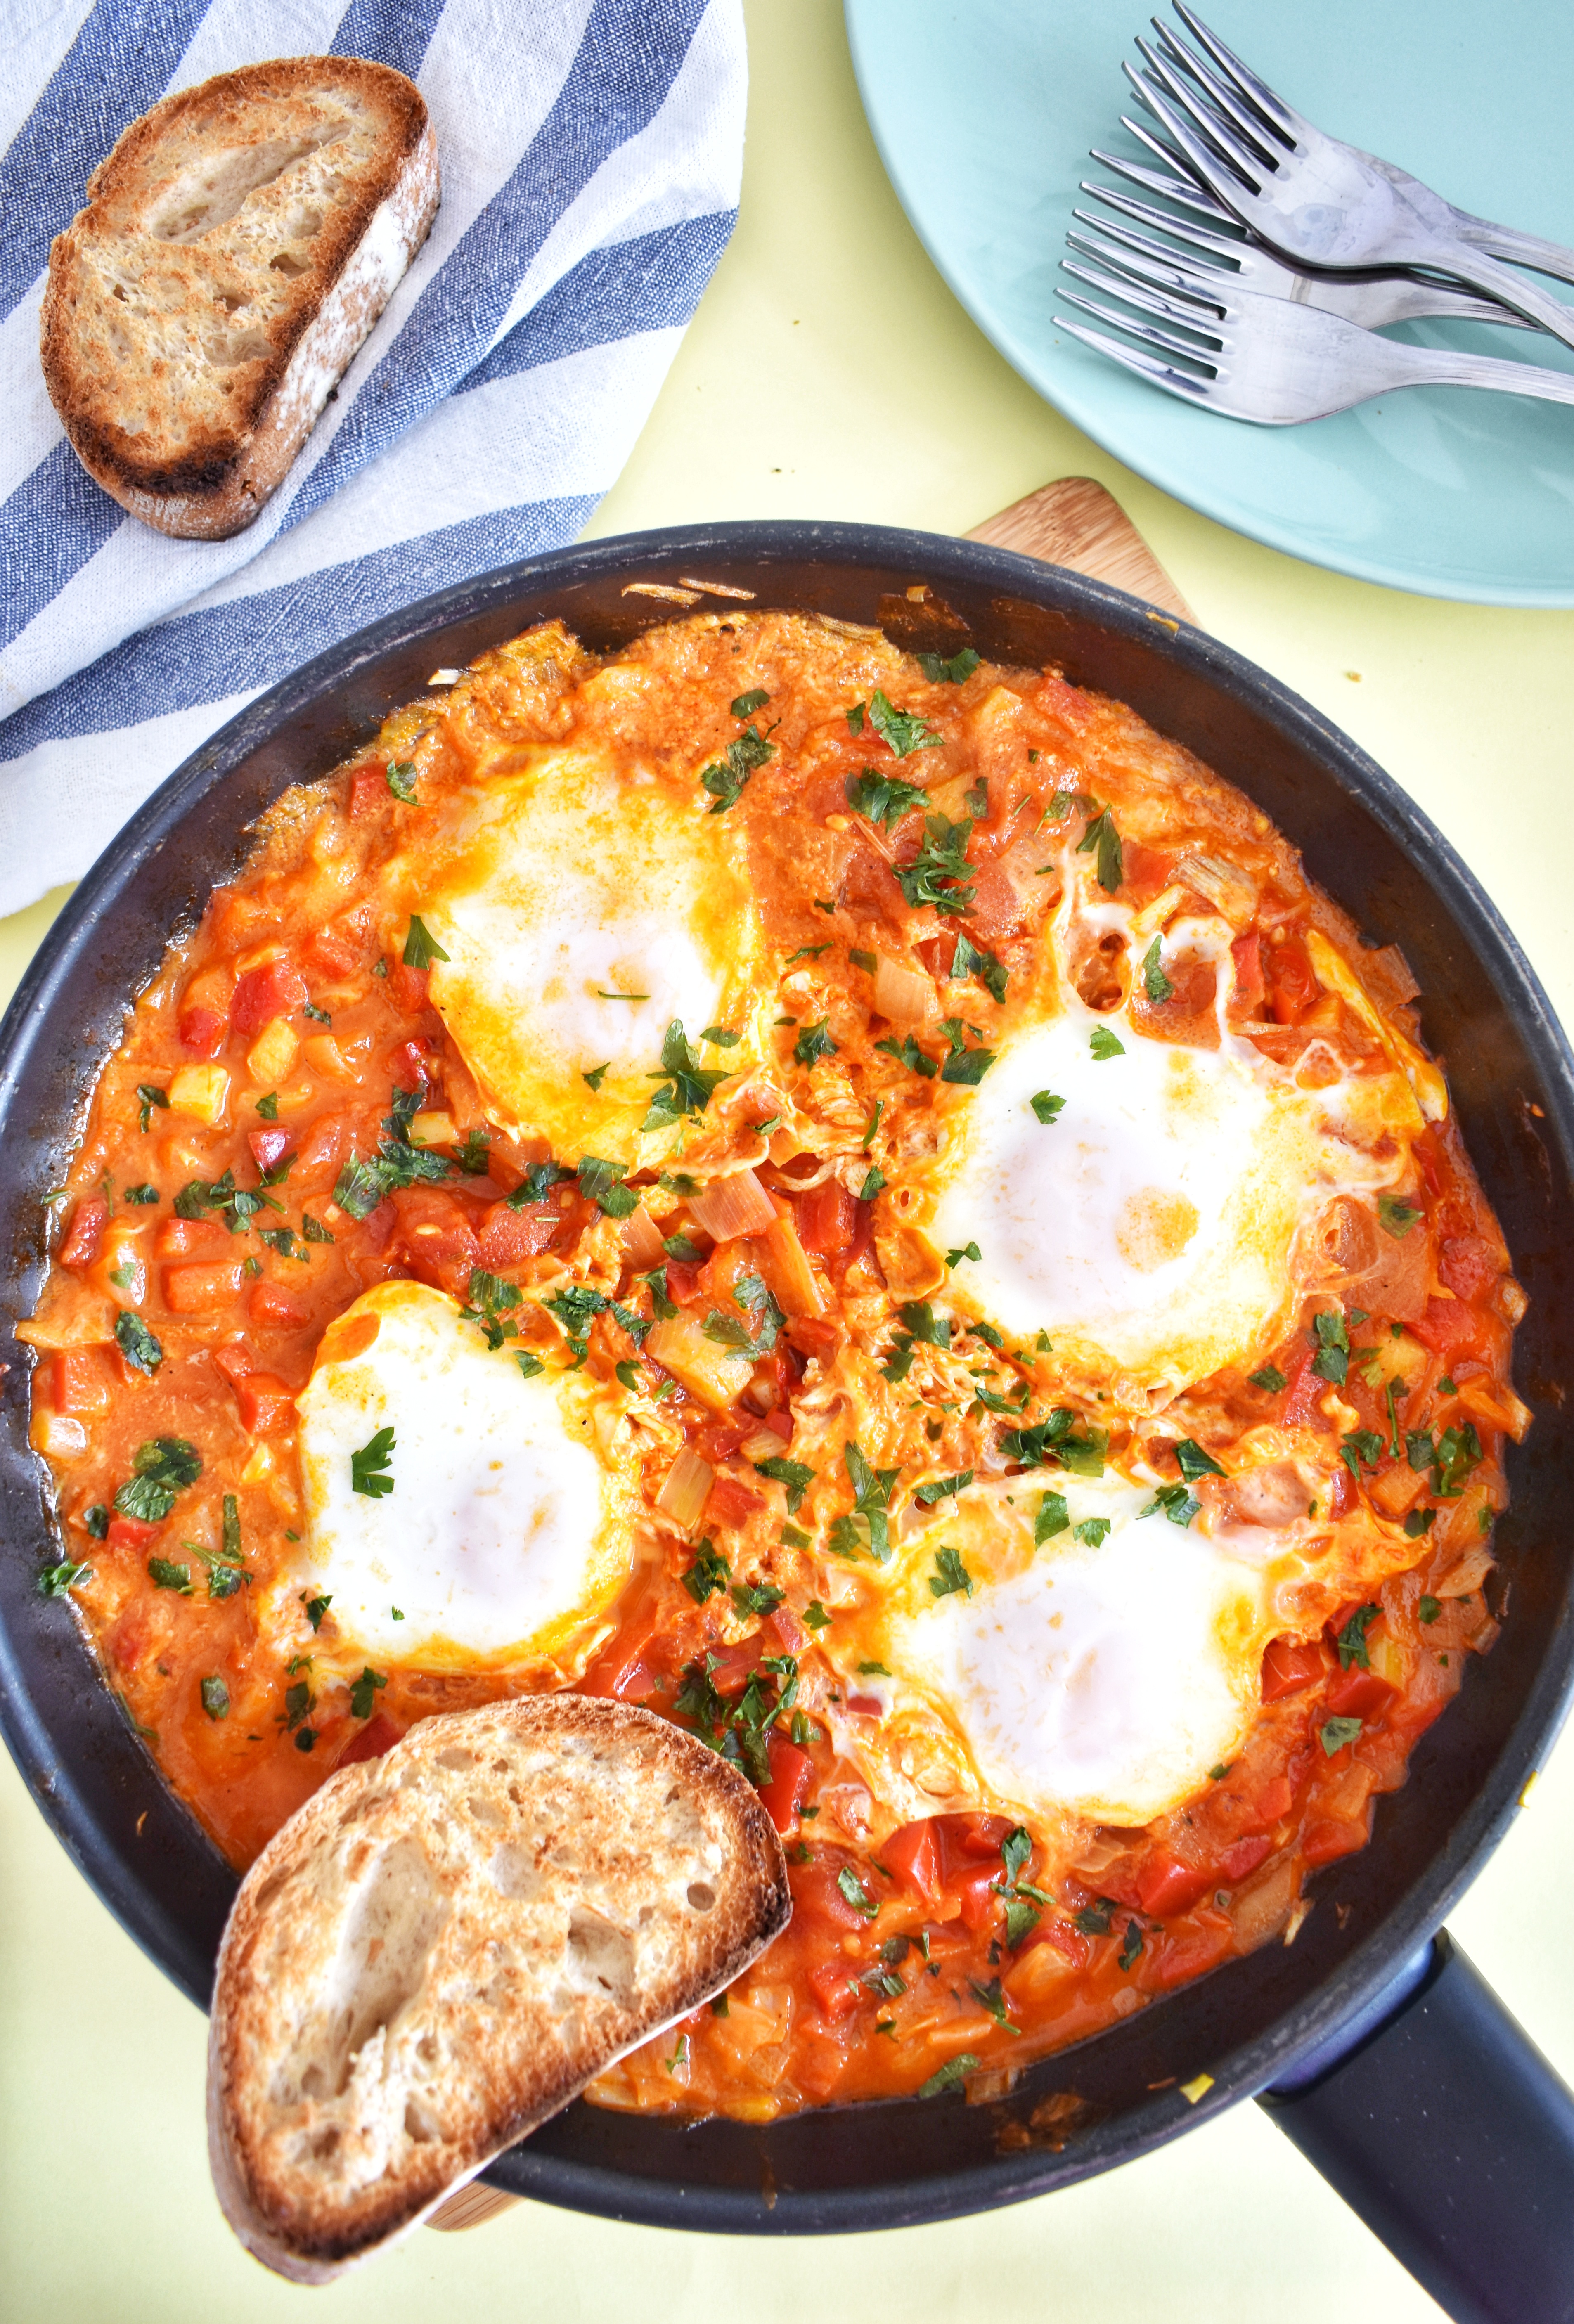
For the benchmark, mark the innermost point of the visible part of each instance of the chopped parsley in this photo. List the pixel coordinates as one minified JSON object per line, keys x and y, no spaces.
{"x":96,"y":1520}
{"x":964,"y":1066}
{"x":1194,"y":1462}
{"x":686,"y":1085}
{"x":1429,"y":1609}
{"x":1093,"y":1530}
{"x":744,"y":705}
{"x":856,"y":1893}
{"x":58,"y":1581}
{"x":601,"y":1182}
{"x":1093,"y":1920}
{"x":1333,"y":1340}
{"x":420,"y":947}
{"x":941,"y":856}
{"x":136,"y":1342}
{"x":1270,"y":1379}
{"x":816,"y":1618}
{"x":793,"y":1474}
{"x":1335,"y":1733}
{"x":940,"y":671}
{"x":1417,"y":1523}
{"x":1102,"y":839}
{"x":1360,"y":1448}
{"x":1395,"y":1217}
{"x":947,"y":2077}
{"x":908,"y":1053}
{"x":313,"y":1228}
{"x":370,"y":1467}
{"x":319,"y":1016}
{"x":400,"y":777}
{"x":166,"y":1574}
{"x":950,"y":1575}
{"x":532,"y":1368}
{"x":966,"y":1250}
{"x":490,"y":1301}
{"x":970,"y":960}
{"x":143,"y":1193}
{"x":1053,"y":1440}
{"x":1130,"y":1946}
{"x":164,"y":1467}
{"x":868,"y":1524}
{"x":813,"y":1043}
{"x":903,"y":731}
{"x":268,"y":1107}
{"x":1175,"y":1502}
{"x":992,"y":1998}
{"x":882,"y":799}
{"x":1054,"y":1517}
{"x":596,"y":1075}
{"x":941,"y":1489}
{"x":1155,"y":982}
{"x":1352,"y":1638}
{"x":1102,"y":1044}
{"x":873,"y":1184}
{"x":215,"y":1698}
{"x":726,"y":777}
{"x":1046,"y":1105}
{"x":756,"y":1597}
{"x":316,"y":1607}
{"x":709,"y":1575}
{"x":151,"y":1095}
{"x":363,"y":1693}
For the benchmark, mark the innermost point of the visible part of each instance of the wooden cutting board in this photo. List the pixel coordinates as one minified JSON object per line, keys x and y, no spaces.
{"x":1075,"y":523}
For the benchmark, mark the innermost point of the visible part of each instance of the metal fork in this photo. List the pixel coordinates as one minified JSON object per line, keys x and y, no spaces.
{"x":1267,"y":360}
{"x":1370,"y":299}
{"x":1321,"y":202}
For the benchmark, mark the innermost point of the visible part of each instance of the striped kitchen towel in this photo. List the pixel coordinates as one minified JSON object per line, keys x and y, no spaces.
{"x":590,"y":152}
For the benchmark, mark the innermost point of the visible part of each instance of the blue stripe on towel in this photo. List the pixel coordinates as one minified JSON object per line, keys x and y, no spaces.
{"x":396,"y":33}
{"x":627,"y":62}
{"x":52,"y":523}
{"x":652,"y":282}
{"x":120,"y":63}
{"x":252,"y":641}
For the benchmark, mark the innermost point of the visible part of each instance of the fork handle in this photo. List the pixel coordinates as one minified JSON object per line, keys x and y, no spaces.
{"x":1471,"y":265}
{"x":1443,"y":367}
{"x":1523,"y":249}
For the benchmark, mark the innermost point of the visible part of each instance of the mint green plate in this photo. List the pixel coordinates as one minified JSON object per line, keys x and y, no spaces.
{"x":984,"y":110}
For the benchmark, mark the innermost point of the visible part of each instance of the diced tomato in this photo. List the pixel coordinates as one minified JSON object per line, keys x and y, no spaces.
{"x":266,"y":1405}
{"x":410,"y":1063}
{"x":320,"y":1153}
{"x":1302,"y":1388}
{"x":1067,"y":1939}
{"x":380,"y":1734}
{"x":1467,"y":1265}
{"x":996,"y":908}
{"x":780,"y":1423}
{"x":1358,"y":1693}
{"x":79,"y":1382}
{"x":976,"y":1895}
{"x":83,"y":1238}
{"x":178,"y":1238}
{"x":1145,"y":873}
{"x":1245,"y":1854}
{"x":332,"y":952}
{"x":271,"y":1304}
{"x":732,"y":1667}
{"x":1291,"y":1664}
{"x":811,"y":1335}
{"x":1245,"y":953}
{"x":1292,"y":985}
{"x":130,"y":1533}
{"x":1330,"y":1837}
{"x":277,"y":988}
{"x":269,"y":1146}
{"x":627,"y":1670}
{"x":1274,"y":1800}
{"x":368,"y":791}
{"x":867,"y":1706}
{"x":732,"y":1504}
{"x":721,"y":1438}
{"x":1446,"y":1325}
{"x":1342,"y":1497}
{"x":193,"y":1290}
{"x":975,"y":1835}
{"x":791,"y":1772}
{"x":825,"y":1216}
{"x":834,"y":1985}
{"x":235,"y":1359}
{"x":683,"y":1280}
{"x":1176,"y":1959}
{"x":436,"y":1234}
{"x":408,"y":987}
{"x":1166,"y":1886}
{"x":509,"y":1236}
{"x":913,"y":1854}
{"x":789,"y":1632}
{"x":817,"y":1897}
{"x":202,"y":1030}
{"x":1064,"y":703}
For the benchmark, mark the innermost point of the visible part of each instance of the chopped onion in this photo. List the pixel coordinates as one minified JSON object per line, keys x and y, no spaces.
{"x":905,"y":995}
{"x":716,"y":1374}
{"x":687,"y":1488}
{"x":642,"y":1239}
{"x":734,"y":1206}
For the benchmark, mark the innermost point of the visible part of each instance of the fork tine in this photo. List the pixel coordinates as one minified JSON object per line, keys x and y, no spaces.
{"x":1182,"y":229}
{"x":1174,"y":189}
{"x":1271,"y":106}
{"x":1240,"y":148}
{"x":1249,"y":122}
{"x":1146,"y":332}
{"x":1153,"y":261}
{"x":1196,"y":150}
{"x":1177,"y":383}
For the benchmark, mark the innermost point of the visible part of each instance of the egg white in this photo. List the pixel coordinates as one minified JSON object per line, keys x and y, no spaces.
{"x":1148,"y":1228}
{"x":1094,"y":1680}
{"x":577,"y":882}
{"x":504,"y":1535}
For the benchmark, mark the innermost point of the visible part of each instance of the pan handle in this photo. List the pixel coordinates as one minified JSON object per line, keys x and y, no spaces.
{"x":1445,"y":2129}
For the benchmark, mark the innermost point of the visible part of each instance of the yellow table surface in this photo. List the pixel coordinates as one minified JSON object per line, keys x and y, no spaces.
{"x":830,"y":373}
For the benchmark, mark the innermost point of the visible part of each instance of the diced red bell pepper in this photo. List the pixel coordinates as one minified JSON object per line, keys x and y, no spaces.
{"x":368,"y":791}
{"x":791,"y":1771}
{"x":202,"y":1030}
{"x":271,"y":1306}
{"x":195,"y":1290}
{"x":683,"y":1280}
{"x":1360,"y":1694}
{"x":266,"y":1405}
{"x":834,"y":1985}
{"x":817,"y":1896}
{"x":277,"y":988}
{"x":787,"y":1632}
{"x":1245,"y":1856}
{"x":1291,"y":1664}
{"x":130,"y":1533}
{"x":408,"y":987}
{"x":976,"y":1835}
{"x":1303,"y":1388}
{"x":780,"y":1423}
{"x":912,"y":1855}
{"x":1245,"y":953}
{"x":1330,"y":1837}
{"x":83,"y":1238}
{"x":179,"y":1238}
{"x":332,"y":952}
{"x":1447,"y":1326}
{"x":825,"y":1216}
{"x":269,"y":1146}
{"x":1275,"y":1799}
{"x":869,"y":1706}
{"x":380,"y":1734}
{"x":977,"y":1895}
{"x":1166,"y":1886}
{"x":627,"y":1670}
{"x":1342,"y":1497}
{"x":79,"y":1382}
{"x":1292,"y":985}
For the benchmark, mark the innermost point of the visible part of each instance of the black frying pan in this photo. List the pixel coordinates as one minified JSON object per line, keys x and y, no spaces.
{"x":1378,"y":2049}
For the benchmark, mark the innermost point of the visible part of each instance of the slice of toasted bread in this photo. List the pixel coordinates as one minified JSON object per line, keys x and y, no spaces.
{"x":445,"y":1944}
{"x":239,"y":245}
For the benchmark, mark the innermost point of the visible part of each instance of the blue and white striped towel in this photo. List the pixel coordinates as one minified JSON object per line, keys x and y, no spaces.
{"x":590,"y":152}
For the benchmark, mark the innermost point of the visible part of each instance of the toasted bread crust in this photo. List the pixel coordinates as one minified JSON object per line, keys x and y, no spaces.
{"x":200,"y":311}
{"x":441,"y":1948}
